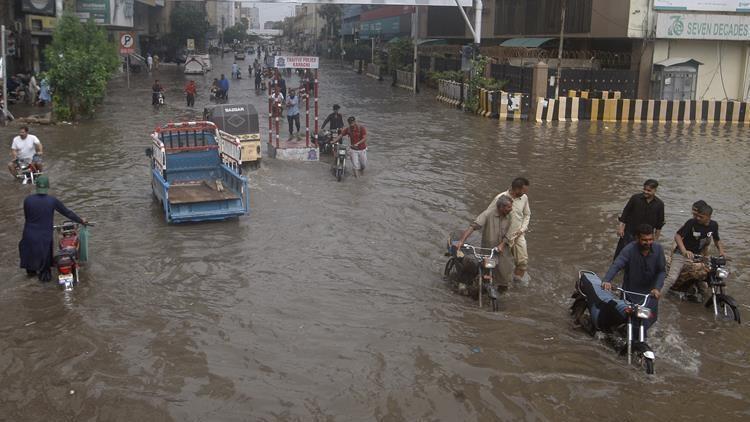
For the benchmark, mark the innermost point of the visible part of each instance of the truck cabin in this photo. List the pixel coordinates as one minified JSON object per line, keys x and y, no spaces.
{"x":240,"y":120}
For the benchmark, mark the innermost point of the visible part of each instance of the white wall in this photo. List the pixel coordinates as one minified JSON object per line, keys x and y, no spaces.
{"x":122,"y":13}
{"x":725,"y":59}
{"x":640,"y":19}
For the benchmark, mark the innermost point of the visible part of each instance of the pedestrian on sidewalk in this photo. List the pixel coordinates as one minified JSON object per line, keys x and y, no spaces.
{"x":190,"y":91}
{"x":44,"y":93}
{"x":150,"y":62}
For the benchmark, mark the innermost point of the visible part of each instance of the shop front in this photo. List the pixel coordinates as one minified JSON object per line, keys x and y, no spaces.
{"x":719,"y":42}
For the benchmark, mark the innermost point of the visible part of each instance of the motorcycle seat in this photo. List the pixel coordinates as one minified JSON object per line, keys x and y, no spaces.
{"x":67,"y":251}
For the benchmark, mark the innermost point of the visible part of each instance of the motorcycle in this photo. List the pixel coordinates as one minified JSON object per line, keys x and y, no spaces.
{"x":217,"y":95}
{"x":27,"y":171}
{"x":596,"y":309}
{"x":325,"y":142}
{"x":473,"y":274}
{"x":68,"y":258}
{"x":339,"y":167}
{"x":709,"y":273}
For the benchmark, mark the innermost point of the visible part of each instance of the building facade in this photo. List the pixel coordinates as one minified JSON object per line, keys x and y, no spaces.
{"x":715,"y":34}
{"x":386,"y":22}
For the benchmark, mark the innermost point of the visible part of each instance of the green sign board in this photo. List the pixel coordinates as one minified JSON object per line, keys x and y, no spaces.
{"x":98,"y":10}
{"x":693,"y":26}
{"x":385,"y":27}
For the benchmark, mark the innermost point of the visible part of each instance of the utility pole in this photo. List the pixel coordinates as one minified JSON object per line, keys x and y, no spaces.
{"x":415,"y":32}
{"x":4,"y":75}
{"x":222,"y":37}
{"x":560,"y":48}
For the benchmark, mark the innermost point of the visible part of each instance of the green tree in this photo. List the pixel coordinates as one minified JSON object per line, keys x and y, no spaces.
{"x":81,"y":63}
{"x":188,"y":20}
{"x":331,"y":13}
{"x":235,"y":32}
{"x":400,"y":54}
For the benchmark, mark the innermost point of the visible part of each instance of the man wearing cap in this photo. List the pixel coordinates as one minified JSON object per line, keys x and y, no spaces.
{"x":36,"y":244}
{"x":358,"y":151}
{"x":26,"y":148}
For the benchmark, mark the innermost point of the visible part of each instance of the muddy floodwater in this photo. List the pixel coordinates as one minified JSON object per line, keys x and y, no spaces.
{"x":326,"y":302}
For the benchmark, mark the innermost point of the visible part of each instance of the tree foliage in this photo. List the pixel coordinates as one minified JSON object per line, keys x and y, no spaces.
{"x":331,"y":13}
{"x":81,"y":63}
{"x":400,"y":54}
{"x":236,"y":32}
{"x":188,"y":20}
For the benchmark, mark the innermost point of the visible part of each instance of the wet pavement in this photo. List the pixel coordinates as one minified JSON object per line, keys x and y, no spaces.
{"x":327,"y":301}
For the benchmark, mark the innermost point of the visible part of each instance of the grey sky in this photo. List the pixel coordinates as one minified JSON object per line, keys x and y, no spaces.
{"x":273,"y":12}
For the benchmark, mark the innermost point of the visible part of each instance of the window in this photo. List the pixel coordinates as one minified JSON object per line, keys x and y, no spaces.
{"x":541,"y":17}
{"x":445,"y":22}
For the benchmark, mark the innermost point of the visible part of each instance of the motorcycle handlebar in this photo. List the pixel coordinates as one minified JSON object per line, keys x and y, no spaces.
{"x":644,"y":295}
{"x":480,"y":249}
{"x":60,"y":226}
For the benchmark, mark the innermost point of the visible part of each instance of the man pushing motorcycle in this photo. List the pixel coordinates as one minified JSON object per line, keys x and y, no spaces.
{"x":26,"y":148}
{"x":36,"y":245}
{"x":644,"y":269}
{"x":495,"y":225}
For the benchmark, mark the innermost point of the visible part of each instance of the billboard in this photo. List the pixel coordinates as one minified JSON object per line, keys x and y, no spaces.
{"x":704,"y":5}
{"x":452,"y":3}
{"x":296,"y":62}
{"x":98,"y":10}
{"x":694,"y":26}
{"x":39,"y":7}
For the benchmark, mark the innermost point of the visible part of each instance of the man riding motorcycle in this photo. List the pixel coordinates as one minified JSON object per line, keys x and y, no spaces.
{"x":25,"y":149}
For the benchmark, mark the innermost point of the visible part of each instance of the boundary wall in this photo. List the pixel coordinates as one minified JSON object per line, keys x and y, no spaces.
{"x":698,"y":111}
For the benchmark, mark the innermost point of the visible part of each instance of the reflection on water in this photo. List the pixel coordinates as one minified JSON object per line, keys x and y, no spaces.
{"x":326,"y":302}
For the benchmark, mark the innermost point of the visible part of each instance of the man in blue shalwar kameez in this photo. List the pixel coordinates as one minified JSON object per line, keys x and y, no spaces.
{"x":36,"y":244}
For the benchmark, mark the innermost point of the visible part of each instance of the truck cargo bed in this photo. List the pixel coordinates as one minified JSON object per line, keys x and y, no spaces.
{"x":198,"y":191}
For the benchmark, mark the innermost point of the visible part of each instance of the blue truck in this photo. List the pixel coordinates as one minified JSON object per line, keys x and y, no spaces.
{"x":196,"y":173}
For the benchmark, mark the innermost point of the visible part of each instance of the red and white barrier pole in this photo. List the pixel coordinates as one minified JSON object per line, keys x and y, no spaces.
{"x":307,"y":119}
{"x":270,"y":116}
{"x":277,"y":112}
{"x":315,"y":92}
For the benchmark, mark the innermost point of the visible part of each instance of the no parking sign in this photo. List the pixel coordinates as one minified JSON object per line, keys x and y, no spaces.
{"x":127,"y":43}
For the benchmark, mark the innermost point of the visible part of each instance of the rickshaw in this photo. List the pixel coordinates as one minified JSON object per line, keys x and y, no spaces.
{"x":240,"y":120}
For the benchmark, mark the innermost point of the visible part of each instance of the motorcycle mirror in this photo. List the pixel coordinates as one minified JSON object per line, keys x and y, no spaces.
{"x":149,"y":152}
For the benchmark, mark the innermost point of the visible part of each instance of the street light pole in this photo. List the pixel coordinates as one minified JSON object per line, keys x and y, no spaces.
{"x":560,"y":48}
{"x":415,"y":63}
{"x":4,"y":75}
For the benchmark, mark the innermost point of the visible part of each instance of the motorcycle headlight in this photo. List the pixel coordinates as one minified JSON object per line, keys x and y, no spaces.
{"x":644,"y":313}
{"x":722,"y":273}
{"x":489,"y":263}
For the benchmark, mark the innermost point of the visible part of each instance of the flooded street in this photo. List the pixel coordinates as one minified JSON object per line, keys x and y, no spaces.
{"x":326,"y":302}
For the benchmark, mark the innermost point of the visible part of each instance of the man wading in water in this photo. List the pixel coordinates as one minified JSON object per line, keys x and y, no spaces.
{"x":519,"y":224}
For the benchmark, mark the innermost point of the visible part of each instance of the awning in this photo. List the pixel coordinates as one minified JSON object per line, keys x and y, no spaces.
{"x":674,"y":61}
{"x":525,"y":42}
{"x":434,"y":41}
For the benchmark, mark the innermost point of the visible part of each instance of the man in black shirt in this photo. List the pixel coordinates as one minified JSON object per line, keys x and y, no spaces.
{"x":335,"y":119}
{"x":642,"y":208}
{"x":692,"y":239}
